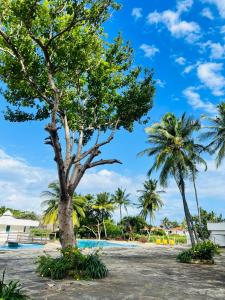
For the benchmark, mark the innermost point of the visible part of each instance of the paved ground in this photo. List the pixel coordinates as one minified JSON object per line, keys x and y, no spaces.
{"x":135,"y":274}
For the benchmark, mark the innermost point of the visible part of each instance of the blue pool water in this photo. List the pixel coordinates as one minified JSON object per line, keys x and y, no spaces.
{"x":21,"y":247}
{"x":96,"y":243}
{"x":80,"y":244}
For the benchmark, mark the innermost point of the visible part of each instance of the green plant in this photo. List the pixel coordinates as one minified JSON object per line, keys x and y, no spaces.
{"x":94,"y":267}
{"x":185,"y":256}
{"x":11,"y":291}
{"x":158,"y":232}
{"x":39,"y":232}
{"x":72,"y":263}
{"x":202,"y":251}
{"x":55,"y":268}
{"x":205,"y":250}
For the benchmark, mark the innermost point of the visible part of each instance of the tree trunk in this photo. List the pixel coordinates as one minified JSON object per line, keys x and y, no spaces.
{"x":198,"y":207}
{"x":66,"y":230}
{"x":187,"y":212}
{"x":103,"y":221}
{"x":99,"y":231}
{"x":120,"y":213}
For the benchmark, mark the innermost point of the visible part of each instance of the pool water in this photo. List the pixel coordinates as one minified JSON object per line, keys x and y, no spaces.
{"x":21,"y":247}
{"x":80,"y":244}
{"x":100,"y":244}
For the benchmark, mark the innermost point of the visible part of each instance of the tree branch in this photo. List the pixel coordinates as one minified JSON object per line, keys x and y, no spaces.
{"x":104,"y":162}
{"x":17,"y":55}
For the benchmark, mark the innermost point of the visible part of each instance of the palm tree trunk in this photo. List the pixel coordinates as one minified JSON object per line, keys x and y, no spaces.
{"x":66,"y":231}
{"x":120,"y":213}
{"x":187,"y":212}
{"x":197,"y":203}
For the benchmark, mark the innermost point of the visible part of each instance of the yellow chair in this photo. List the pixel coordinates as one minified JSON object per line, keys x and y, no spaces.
{"x":165,"y":242}
{"x":171,"y":242}
{"x":158,"y":242}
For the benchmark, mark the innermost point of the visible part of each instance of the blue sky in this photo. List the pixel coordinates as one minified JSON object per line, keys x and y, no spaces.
{"x":183,"y":41}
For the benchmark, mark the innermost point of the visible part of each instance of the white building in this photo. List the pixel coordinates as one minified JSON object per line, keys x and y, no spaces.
{"x":176,"y":230}
{"x":11,"y":225}
{"x":217,"y":233}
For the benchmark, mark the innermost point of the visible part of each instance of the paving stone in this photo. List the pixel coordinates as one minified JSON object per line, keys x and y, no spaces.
{"x":135,"y":274}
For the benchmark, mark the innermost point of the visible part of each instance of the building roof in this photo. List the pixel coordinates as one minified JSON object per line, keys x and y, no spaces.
{"x":8,"y":219}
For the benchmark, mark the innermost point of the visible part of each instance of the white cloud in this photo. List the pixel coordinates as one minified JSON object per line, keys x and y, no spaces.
{"x":149,"y":50}
{"x":220,"y":4}
{"x":137,"y":13}
{"x":180,"y":60}
{"x":210,"y":75}
{"x":188,"y":69}
{"x":172,"y":20}
{"x":217,"y":50}
{"x":160,"y":83}
{"x":196,"y":102}
{"x":21,"y":184}
{"x":207,"y":13}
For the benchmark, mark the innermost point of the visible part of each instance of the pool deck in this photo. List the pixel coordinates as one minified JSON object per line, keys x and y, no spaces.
{"x":141,"y":273}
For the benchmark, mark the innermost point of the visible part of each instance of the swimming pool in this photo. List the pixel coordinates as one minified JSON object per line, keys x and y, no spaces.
{"x":100,"y":244}
{"x":21,"y":247}
{"x":80,"y":243}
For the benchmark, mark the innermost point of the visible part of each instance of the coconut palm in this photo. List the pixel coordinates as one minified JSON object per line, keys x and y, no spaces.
{"x":216,"y":132}
{"x":50,"y":214}
{"x":121,"y":200}
{"x":104,"y":205}
{"x":176,"y":154}
{"x":150,"y":199}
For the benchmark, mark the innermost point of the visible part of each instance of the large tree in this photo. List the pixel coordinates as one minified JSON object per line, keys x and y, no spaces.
{"x":150,"y":199}
{"x":216,"y":133}
{"x":176,"y":154}
{"x":121,"y":200}
{"x":56,"y":64}
{"x":104,"y":205}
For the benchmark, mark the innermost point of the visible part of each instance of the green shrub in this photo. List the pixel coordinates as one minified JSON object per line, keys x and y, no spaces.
{"x":72,"y":263}
{"x":160,"y":232}
{"x":94,"y":267}
{"x":205,"y":250}
{"x":39,"y":232}
{"x":11,"y":291}
{"x":185,"y":256}
{"x":55,"y":268}
{"x":202,"y":251}
{"x":113,"y":230}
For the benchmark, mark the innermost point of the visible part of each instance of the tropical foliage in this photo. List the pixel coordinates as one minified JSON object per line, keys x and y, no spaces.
{"x":150,"y":200}
{"x":206,"y":217}
{"x":216,"y":133}
{"x":50,"y":215}
{"x":19,"y":214}
{"x":204,"y":251}
{"x":11,"y":290}
{"x":72,"y":263}
{"x":57,"y":65}
{"x":121,"y":199}
{"x":175,"y":154}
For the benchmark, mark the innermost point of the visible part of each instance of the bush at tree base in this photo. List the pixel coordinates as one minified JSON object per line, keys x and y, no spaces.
{"x":72,"y":263}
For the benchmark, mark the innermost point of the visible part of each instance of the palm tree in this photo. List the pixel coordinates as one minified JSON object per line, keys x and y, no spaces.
{"x":121,"y":199}
{"x":104,"y":205}
{"x":150,"y":200}
{"x":216,"y":132}
{"x":50,"y":214}
{"x":176,"y":154}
